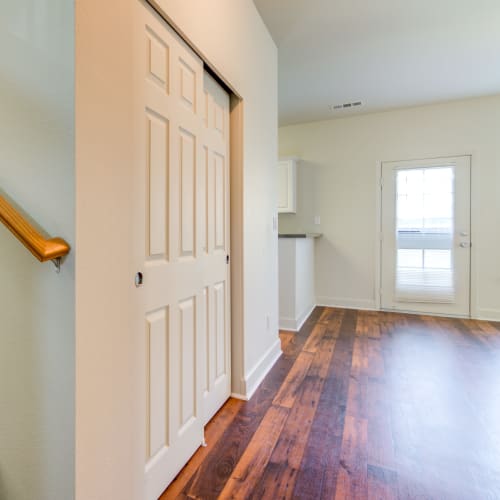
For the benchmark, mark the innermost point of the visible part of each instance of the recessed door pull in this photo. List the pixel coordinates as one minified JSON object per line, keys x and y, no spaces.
{"x":139,"y":279}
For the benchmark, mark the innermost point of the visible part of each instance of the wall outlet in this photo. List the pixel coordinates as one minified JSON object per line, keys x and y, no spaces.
{"x":317,"y":220}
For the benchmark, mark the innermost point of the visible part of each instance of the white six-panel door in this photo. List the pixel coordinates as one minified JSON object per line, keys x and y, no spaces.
{"x":181,"y":217}
{"x":214,"y":247}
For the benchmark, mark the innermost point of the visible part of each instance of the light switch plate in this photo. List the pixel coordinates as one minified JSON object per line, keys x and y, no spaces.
{"x":317,"y":220}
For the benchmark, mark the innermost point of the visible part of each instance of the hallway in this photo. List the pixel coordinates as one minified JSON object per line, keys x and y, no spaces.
{"x":362,"y":405}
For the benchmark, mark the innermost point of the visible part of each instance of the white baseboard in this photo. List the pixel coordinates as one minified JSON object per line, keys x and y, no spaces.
{"x":347,"y":303}
{"x":237,"y":395}
{"x":260,"y":370}
{"x":294,"y":325}
{"x":488,"y":314}
{"x":288,"y":324}
{"x":303,"y":318}
{"x":371,"y":305}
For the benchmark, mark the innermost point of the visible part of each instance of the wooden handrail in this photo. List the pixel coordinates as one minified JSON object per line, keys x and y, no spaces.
{"x":42,"y":248}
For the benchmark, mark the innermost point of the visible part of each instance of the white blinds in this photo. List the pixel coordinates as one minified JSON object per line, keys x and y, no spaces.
{"x":424,"y":235}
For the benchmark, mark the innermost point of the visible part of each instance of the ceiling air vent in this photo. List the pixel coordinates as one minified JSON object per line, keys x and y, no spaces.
{"x":345,"y":105}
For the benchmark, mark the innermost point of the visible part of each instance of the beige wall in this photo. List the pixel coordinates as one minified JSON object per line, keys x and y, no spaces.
{"x":109,"y":449}
{"x":36,"y":304}
{"x":340,"y":173}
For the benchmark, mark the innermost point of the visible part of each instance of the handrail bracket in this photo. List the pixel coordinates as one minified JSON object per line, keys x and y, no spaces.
{"x":57,"y":264}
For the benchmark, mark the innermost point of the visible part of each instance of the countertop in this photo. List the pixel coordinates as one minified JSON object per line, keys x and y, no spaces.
{"x":299,"y":235}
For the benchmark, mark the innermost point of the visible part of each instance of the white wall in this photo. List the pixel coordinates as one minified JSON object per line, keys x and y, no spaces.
{"x":341,"y":158}
{"x":36,"y":304}
{"x":301,"y":221}
{"x":109,"y":460}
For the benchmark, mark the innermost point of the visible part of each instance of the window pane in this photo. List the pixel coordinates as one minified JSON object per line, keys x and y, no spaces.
{"x":410,"y":258}
{"x":437,"y":259}
{"x":424,"y":234}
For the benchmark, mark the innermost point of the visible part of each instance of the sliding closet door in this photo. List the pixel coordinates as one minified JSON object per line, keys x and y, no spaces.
{"x":169,"y":124}
{"x":214,"y":214}
{"x":181,"y":221}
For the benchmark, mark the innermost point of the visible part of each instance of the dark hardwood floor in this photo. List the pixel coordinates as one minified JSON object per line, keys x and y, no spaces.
{"x":362,"y":405}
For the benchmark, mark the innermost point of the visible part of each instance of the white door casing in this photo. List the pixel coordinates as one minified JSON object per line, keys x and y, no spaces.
{"x":181,"y":227}
{"x":458,"y":302}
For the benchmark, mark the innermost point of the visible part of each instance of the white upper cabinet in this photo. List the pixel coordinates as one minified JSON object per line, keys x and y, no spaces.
{"x":287,"y":185}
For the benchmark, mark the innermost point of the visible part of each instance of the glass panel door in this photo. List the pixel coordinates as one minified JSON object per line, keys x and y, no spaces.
{"x":426,"y":236}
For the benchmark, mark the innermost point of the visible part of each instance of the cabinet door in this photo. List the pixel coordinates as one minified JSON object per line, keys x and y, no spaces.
{"x":287,"y":186}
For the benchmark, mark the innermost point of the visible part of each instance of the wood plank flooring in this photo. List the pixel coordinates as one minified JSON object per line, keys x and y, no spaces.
{"x":362,"y":405}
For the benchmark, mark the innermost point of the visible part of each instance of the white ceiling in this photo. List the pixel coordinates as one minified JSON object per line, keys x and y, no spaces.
{"x":386,"y":53}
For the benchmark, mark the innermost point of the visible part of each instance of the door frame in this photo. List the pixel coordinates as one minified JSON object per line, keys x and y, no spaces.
{"x":474,"y":160}
{"x":236,"y":219}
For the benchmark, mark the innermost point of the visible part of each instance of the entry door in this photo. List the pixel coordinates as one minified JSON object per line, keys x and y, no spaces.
{"x":426,"y":236}
{"x":181,"y":222}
